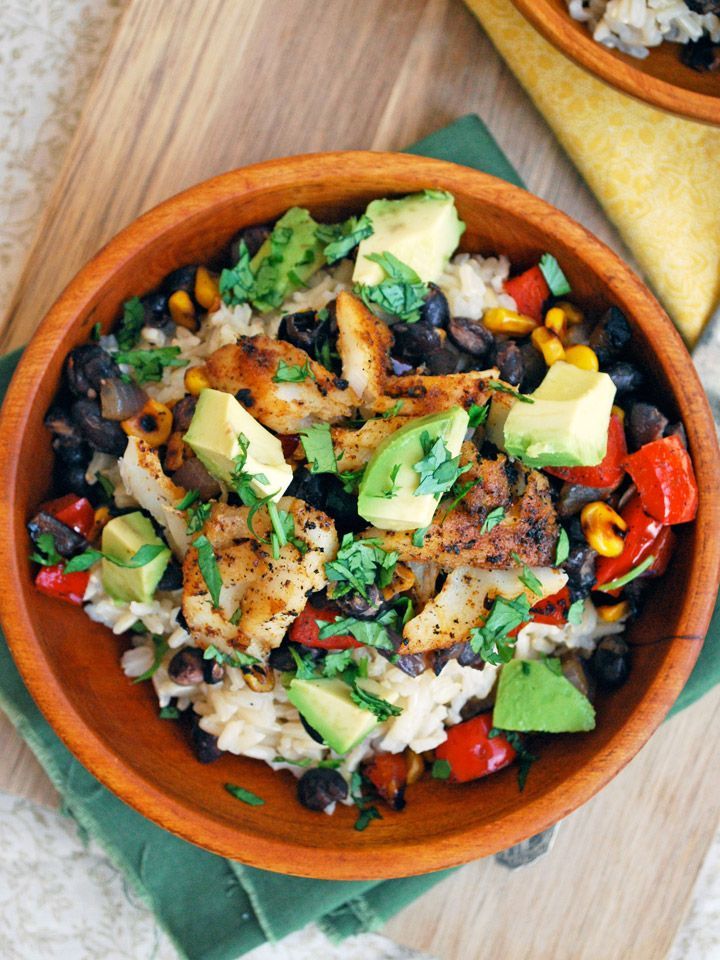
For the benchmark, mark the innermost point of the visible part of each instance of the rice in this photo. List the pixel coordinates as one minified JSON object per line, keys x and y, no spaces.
{"x":634,"y":26}
{"x":266,"y":726}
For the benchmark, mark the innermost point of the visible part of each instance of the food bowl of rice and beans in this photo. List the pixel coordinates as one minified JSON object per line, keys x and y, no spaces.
{"x":364,"y":508}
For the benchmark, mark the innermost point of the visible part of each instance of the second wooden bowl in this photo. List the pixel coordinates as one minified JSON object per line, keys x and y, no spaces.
{"x":661,"y":79}
{"x":71,"y":664}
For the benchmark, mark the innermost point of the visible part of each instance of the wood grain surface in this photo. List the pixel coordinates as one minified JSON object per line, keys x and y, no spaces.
{"x":189,"y":90}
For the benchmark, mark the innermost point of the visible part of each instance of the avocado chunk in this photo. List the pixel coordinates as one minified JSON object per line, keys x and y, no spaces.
{"x":290,"y":255}
{"x":567,"y":423}
{"x":329,"y":709}
{"x":535,"y":696}
{"x":387,"y":490}
{"x":122,"y":537}
{"x":423,"y":230}
{"x":213,"y":434}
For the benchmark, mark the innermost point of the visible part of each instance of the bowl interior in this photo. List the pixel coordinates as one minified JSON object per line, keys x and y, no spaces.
{"x":71,"y":664}
{"x":660,"y":79}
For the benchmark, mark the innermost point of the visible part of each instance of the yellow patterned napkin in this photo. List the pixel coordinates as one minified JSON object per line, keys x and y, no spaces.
{"x":657,"y":176}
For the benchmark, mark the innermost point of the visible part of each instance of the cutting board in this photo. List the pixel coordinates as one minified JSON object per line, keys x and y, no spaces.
{"x":190,"y":89}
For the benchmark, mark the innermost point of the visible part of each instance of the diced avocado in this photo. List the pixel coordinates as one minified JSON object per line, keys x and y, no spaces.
{"x":213,"y":434}
{"x":122,"y":537}
{"x":535,"y":696}
{"x":403,"y":449}
{"x":423,"y":230}
{"x":328,"y":708}
{"x":567,"y":423}
{"x":291,"y":254}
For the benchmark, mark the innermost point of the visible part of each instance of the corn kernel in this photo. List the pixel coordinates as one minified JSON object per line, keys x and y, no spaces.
{"x":182,"y":310}
{"x":196,"y":380}
{"x":572,"y":313}
{"x":501,"y":320}
{"x":556,"y":321}
{"x":583,"y":357}
{"x":603,"y":528}
{"x":613,"y":612}
{"x":415,"y":766}
{"x":259,"y":678}
{"x":549,"y":345}
{"x":207,"y":292}
{"x":101,"y":517}
{"x":619,"y":412}
{"x":152,"y":424}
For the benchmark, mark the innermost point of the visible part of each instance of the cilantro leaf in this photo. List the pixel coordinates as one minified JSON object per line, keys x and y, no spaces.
{"x":365,"y":817}
{"x":418,"y":537}
{"x":382,"y":709}
{"x":478,"y":415}
{"x":524,"y":757}
{"x":318,"y":447}
{"x":304,"y":664}
{"x":554,"y":277}
{"x":45,"y":552}
{"x":207,"y":561}
{"x":161,"y":648}
{"x":627,"y":577}
{"x":197,"y":516}
{"x":245,"y":796}
{"x":394,"y":410}
{"x":438,"y":470}
{"x":169,"y":713}
{"x":337,"y":661}
{"x":293,"y":373}
{"x":372,"y":633}
{"x":504,"y":388}
{"x":190,"y":497}
{"x":347,"y":238}
{"x":492,"y":640}
{"x":562,"y":550}
{"x":392,"y":489}
{"x":106,"y":484}
{"x":527,"y":577}
{"x":236,"y":285}
{"x":132,"y":322}
{"x":401,"y":294}
{"x":495,"y":517}
{"x":149,"y":365}
{"x":575,"y":612}
{"x":459,"y":492}
{"x":350,"y":479}
{"x":358,"y":565}
{"x":236,"y":659}
{"x":441,"y":770}
{"x":87,"y":559}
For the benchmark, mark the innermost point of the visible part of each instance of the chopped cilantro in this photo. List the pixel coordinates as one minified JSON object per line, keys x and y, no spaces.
{"x":169,"y":713}
{"x":106,"y":484}
{"x":478,"y":415}
{"x":345,"y":237}
{"x":240,"y":793}
{"x":441,"y":770}
{"x":350,"y":479}
{"x":45,"y":552}
{"x":190,"y":497}
{"x":492,"y":640}
{"x":197,"y":515}
{"x":336,"y":662}
{"x":161,"y":647}
{"x":304,"y":664}
{"x":495,"y":517}
{"x":365,"y":817}
{"x":438,"y":470}
{"x":554,"y":277}
{"x":358,"y":565}
{"x":459,"y":492}
{"x":293,"y":373}
{"x":236,"y":659}
{"x":504,"y":388}
{"x":318,"y":447}
{"x":418,"y":537}
{"x":382,"y":709}
{"x":372,"y":633}
{"x":527,"y":577}
{"x":392,"y":489}
{"x":394,"y":410}
{"x":562,"y":550}
{"x":133,"y":319}
{"x":524,"y":757}
{"x":401,"y":294}
{"x":207,"y":561}
{"x":146,"y":553}
{"x":366,"y":811}
{"x":575,"y":612}
{"x":236,"y":285}
{"x":627,"y":577}
{"x":149,"y":365}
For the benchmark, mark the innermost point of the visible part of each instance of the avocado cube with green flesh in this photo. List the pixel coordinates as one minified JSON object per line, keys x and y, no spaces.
{"x":328,"y":707}
{"x":535,"y":696}
{"x":387,"y":490}
{"x":422,"y":230}
{"x":567,"y":423}
{"x":287,"y":259}
{"x":122,"y":537}
{"x":218,"y":422}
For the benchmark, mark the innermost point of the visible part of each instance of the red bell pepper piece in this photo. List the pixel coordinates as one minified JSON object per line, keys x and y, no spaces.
{"x":553,"y":609}
{"x":70,"y":587}
{"x":471,"y":753}
{"x":664,"y":476}
{"x":289,"y":443}
{"x":606,"y":474}
{"x":73,"y":511}
{"x":644,"y":536}
{"x":529,"y":290}
{"x":388,"y":773}
{"x":306,"y":631}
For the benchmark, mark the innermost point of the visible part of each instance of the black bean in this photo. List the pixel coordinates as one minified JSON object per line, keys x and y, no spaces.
{"x":450,"y":360}
{"x":580,"y":568}
{"x":509,"y":361}
{"x":68,"y":542}
{"x":645,"y":423}
{"x":415,"y":341}
{"x":319,"y":787}
{"x":311,"y":731}
{"x":610,"y":336}
{"x":435,"y":310}
{"x":440,"y":658}
{"x":677,"y":430}
{"x":157,"y":312}
{"x":310,"y":487}
{"x":71,"y":477}
{"x":702,"y":54}
{"x":192,"y":475}
{"x":254,"y":238}
{"x":213,"y":671}
{"x":183,"y":412}
{"x":574,"y":670}
{"x":87,"y":367}
{"x":61,"y":423}
{"x":301,"y":329}
{"x":71,"y":452}
{"x":534,"y":368}
{"x":364,"y":608}
{"x":610,"y":663}
{"x":472,"y":336}
{"x":626,"y":376}
{"x":107,"y":436}
{"x":475,"y":706}
{"x":181,"y":279}
{"x":281,"y":659}
{"x":413,"y":664}
{"x":187,"y":667}
{"x":468,"y":658}
{"x":172,"y":579}
{"x":203,"y":743}
{"x":573,"y":497}
{"x":704,"y":6}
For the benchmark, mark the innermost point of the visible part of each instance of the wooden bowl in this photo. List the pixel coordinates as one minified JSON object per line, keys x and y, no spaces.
{"x":71,"y":664}
{"x":661,"y":79}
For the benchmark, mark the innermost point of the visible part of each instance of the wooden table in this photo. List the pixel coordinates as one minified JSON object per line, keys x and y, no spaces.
{"x":191,"y":89}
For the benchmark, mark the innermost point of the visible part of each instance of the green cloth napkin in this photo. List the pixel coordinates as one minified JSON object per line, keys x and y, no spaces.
{"x":216,"y":909}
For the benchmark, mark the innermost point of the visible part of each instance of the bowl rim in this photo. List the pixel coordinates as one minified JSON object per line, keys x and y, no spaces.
{"x":604,"y":63}
{"x":388,"y":857}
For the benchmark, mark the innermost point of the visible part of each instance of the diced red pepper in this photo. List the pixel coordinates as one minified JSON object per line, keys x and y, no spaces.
{"x":664,"y":476}
{"x":306,"y":631}
{"x":70,"y":587}
{"x":553,"y":609}
{"x":289,"y":442}
{"x":529,"y":290}
{"x":607,"y":474}
{"x":471,"y":753}
{"x":388,"y":774}
{"x":644,"y":536}
{"x":73,"y":511}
